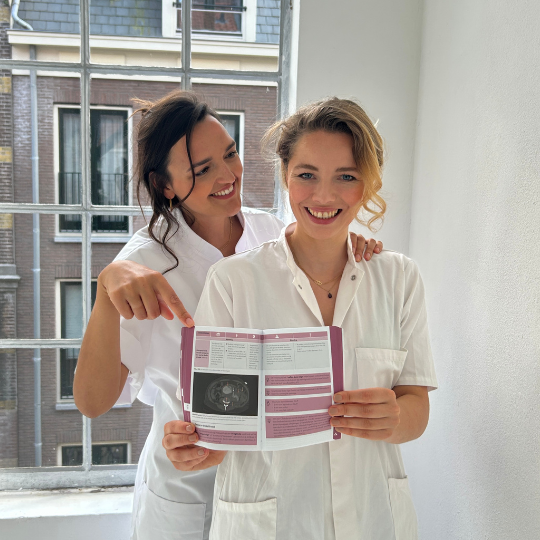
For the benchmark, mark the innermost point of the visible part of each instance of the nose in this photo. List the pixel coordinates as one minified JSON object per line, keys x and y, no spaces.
{"x":226,"y":174}
{"x":323,"y":193}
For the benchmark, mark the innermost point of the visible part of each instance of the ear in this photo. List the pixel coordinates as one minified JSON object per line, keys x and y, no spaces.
{"x":169,"y":193}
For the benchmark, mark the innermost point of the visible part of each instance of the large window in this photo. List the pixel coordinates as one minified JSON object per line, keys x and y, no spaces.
{"x":109,"y":165}
{"x":66,"y":207}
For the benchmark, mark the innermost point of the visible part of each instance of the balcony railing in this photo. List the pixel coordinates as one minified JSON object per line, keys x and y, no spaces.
{"x":107,"y":188}
{"x":218,"y":17}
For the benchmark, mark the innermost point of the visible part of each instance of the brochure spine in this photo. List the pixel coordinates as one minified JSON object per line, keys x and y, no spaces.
{"x":336,"y":344}
{"x":186,"y":359}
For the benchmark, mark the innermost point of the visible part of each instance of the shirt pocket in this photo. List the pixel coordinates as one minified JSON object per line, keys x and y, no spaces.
{"x":403,"y":513}
{"x":248,"y":521}
{"x":168,"y":520}
{"x":379,"y":368}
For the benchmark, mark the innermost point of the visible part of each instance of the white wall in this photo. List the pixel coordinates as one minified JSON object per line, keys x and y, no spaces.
{"x":474,"y":215}
{"x":369,"y":50}
{"x":475,"y":233}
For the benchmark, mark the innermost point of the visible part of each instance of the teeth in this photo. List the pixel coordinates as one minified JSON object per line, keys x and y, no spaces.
{"x":224,"y":192}
{"x":323,"y":215}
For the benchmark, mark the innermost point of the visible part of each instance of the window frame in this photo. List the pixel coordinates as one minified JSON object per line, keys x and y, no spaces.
{"x":96,"y":236}
{"x":98,"y":443}
{"x":248,"y":32}
{"x":241,"y":128}
{"x":89,"y":475}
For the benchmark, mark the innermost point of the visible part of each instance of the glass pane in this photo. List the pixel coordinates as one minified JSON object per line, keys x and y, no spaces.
{"x":247,"y":111}
{"x":58,"y":134}
{"x":118,"y":436}
{"x":217,"y":16}
{"x":17,"y":410}
{"x":58,"y":26}
{"x":131,"y":33}
{"x":59,"y":262}
{"x":216,"y":21}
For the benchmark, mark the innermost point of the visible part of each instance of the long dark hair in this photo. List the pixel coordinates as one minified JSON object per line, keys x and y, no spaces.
{"x":162,"y":125}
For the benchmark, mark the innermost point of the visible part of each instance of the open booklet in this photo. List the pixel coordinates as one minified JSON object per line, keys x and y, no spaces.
{"x":248,"y":389}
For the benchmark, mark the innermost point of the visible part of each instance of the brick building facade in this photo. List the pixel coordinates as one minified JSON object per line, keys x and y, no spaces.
{"x":61,"y":253}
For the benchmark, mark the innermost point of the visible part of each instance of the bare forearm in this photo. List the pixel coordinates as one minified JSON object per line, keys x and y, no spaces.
{"x":414,"y":416}
{"x":99,"y":376}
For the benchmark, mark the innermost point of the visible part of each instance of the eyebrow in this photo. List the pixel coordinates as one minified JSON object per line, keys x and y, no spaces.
{"x":202,"y":162}
{"x":313,"y":168}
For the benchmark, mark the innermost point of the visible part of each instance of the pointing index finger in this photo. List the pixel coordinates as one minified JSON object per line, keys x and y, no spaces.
{"x":170,"y":298}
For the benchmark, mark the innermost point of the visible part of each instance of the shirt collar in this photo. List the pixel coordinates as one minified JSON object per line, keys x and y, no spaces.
{"x":350,"y":281}
{"x":291,"y":263}
{"x":186,"y":234}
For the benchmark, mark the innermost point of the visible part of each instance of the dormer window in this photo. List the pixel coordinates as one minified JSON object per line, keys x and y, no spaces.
{"x":223,"y":18}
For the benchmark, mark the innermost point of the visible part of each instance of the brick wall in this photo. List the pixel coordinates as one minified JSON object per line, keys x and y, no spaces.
{"x":63,"y":260}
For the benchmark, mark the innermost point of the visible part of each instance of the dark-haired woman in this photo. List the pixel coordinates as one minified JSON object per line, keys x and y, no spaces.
{"x":191,"y":171}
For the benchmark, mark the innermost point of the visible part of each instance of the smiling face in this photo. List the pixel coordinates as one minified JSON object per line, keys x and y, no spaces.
{"x":325,"y":189}
{"x":218,"y":171}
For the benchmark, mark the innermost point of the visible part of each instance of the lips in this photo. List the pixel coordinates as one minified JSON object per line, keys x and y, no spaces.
{"x":324,"y":214}
{"x":224,"y":193}
{"x":332,"y":214}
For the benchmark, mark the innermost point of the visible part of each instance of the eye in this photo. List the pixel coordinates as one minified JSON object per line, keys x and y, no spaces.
{"x":347,"y":177}
{"x":306,"y":175}
{"x":232,"y":154}
{"x":202,"y":171}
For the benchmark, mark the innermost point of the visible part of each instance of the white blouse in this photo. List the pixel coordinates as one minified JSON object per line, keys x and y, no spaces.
{"x":171,"y":504}
{"x":351,"y":488}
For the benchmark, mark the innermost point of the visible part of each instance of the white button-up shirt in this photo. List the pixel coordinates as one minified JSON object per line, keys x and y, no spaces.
{"x":351,"y":488}
{"x":171,"y":504}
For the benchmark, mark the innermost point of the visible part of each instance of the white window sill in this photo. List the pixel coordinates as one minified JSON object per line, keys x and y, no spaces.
{"x":70,"y":406}
{"x":95,"y":239}
{"x":65,"y":503}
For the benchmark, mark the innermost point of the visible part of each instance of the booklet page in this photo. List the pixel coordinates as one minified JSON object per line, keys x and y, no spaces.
{"x":225,"y":397}
{"x":248,"y":389}
{"x":298,"y":387}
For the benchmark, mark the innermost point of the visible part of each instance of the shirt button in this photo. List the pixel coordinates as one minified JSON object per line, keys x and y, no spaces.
{"x":299,"y":286}
{"x":353,"y":278}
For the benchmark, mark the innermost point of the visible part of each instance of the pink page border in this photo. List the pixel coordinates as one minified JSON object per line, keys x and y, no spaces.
{"x":336,"y":346}
{"x":186,"y":359}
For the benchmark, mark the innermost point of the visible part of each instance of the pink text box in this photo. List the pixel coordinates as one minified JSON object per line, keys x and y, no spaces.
{"x":247,"y":438}
{"x":297,"y":405}
{"x":278,"y":427}
{"x":299,"y":391}
{"x":297,"y":379}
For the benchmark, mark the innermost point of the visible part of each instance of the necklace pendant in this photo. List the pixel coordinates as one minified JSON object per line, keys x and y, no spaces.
{"x":319,"y":283}
{"x":329,"y":295}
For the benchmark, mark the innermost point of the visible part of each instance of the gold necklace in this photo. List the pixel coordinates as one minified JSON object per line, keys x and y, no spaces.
{"x":230,"y":236}
{"x":318,"y":282}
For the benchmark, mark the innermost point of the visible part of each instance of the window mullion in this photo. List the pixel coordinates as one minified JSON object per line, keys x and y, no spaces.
{"x":284,"y":75}
{"x":186,"y":44}
{"x":86,"y":200}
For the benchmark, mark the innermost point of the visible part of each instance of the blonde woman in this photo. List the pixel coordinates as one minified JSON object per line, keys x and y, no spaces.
{"x":331,"y":161}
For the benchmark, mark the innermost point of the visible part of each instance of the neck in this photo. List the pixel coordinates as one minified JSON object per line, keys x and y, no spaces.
{"x":215,"y":230}
{"x":322,"y":259}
